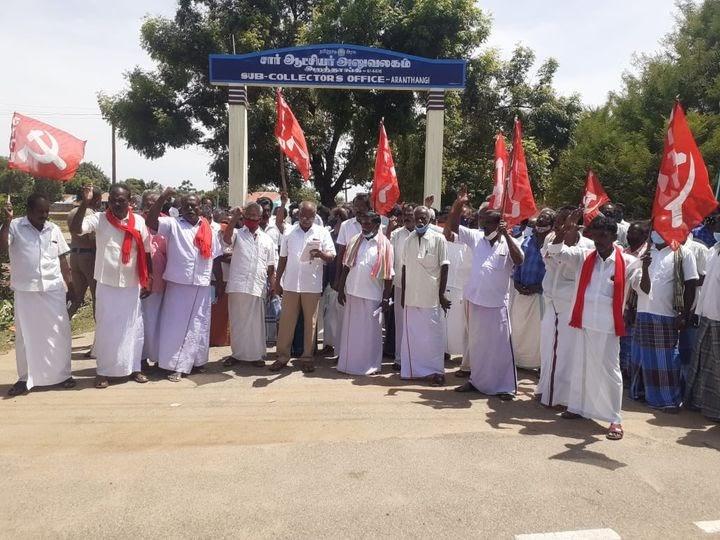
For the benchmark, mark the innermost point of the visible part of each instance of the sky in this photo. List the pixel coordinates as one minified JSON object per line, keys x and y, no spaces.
{"x":61,"y":56}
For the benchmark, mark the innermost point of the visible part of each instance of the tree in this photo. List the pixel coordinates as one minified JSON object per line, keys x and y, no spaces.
{"x":87,"y":173}
{"x":174,"y":105}
{"x":186,"y":186}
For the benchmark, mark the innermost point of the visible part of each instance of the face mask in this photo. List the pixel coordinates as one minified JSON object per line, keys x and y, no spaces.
{"x":544,"y":229}
{"x":492,"y":236}
{"x":656,"y":238}
{"x":422,"y":229}
{"x":252,"y":224}
{"x":528,"y":232}
{"x":515,"y":230}
{"x":717,"y":236}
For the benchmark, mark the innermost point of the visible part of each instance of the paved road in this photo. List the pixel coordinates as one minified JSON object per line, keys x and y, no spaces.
{"x":246,"y":453}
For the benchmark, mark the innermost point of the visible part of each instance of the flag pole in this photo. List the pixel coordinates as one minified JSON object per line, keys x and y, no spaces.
{"x":283,"y":173}
{"x":507,"y":176}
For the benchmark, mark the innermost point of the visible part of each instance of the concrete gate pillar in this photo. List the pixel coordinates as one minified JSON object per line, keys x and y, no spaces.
{"x":435,"y":125}
{"x":237,"y":145}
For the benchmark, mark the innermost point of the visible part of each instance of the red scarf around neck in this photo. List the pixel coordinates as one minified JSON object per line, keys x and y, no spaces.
{"x":203,"y":238}
{"x":618,"y":291}
{"x":131,"y":234}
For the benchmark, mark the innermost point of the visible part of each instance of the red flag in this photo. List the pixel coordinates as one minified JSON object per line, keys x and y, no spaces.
{"x":519,"y":201}
{"x":290,"y":136}
{"x":501,"y":170}
{"x":683,"y":197}
{"x":593,"y":199}
{"x":385,"y":189}
{"x":42,"y":150}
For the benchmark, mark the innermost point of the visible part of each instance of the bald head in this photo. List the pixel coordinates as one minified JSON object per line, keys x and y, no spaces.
{"x":306,"y":214}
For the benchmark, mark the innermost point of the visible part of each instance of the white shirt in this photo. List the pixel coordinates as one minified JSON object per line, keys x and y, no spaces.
{"x":304,"y":277}
{"x":423,"y":260}
{"x":35,"y":256}
{"x":709,"y":300}
{"x":359,"y":282}
{"x":397,"y":239}
{"x":622,"y":230}
{"x":348,"y":229}
{"x":109,"y":268}
{"x":662,"y":279}
{"x":598,"y":307}
{"x":701,"y":252}
{"x":460,"y":257}
{"x":559,"y":281}
{"x":252,"y":255}
{"x":274,"y":233}
{"x":185,"y":265}
{"x":491,"y":270}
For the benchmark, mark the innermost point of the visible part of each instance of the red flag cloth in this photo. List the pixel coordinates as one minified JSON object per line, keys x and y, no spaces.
{"x":501,"y":171}
{"x":42,"y":150}
{"x":131,"y":234}
{"x":385,"y":188}
{"x":519,"y":200}
{"x":593,"y":199}
{"x":618,"y":291}
{"x":290,"y":136}
{"x":683,"y":197}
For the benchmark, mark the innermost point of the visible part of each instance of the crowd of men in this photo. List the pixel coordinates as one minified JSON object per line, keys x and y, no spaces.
{"x":594,"y":309}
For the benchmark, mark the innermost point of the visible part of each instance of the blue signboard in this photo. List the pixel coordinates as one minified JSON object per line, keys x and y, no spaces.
{"x":337,"y":66}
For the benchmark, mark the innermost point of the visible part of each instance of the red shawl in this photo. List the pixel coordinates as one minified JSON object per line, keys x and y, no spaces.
{"x":203,"y":239}
{"x":131,"y":234}
{"x":618,"y":291}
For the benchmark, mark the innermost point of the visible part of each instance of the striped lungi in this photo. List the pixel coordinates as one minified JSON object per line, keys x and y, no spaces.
{"x":655,"y":367}
{"x":703,"y":375}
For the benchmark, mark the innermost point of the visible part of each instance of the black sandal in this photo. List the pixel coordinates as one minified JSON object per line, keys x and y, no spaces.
{"x":18,"y":389}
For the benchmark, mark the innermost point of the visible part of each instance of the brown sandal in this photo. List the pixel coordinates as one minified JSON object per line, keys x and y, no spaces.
{"x":278,"y":365}
{"x":101,"y":382}
{"x":615,"y":433}
{"x":140,"y":377}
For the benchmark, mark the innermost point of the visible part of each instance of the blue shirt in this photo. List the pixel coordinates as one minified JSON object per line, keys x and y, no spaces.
{"x":532,"y":270}
{"x":702,"y":234}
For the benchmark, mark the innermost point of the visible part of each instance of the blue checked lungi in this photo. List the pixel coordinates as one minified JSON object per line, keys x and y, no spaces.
{"x":703,"y":382}
{"x":626,"y":353}
{"x":655,"y":367}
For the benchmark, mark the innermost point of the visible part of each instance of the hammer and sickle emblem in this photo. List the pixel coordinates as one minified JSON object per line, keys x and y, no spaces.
{"x":49,"y":153}
{"x":675,"y":206}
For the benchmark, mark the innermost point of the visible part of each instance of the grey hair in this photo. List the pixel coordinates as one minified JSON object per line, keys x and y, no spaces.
{"x":253,"y":204}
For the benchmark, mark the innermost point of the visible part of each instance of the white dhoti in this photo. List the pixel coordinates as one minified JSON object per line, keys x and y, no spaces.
{"x":360,"y":348}
{"x":247,"y":326}
{"x":119,"y":333}
{"x":399,"y":319}
{"x":151,"y":323}
{"x":332,"y":314}
{"x":596,"y":385}
{"x":456,"y":323}
{"x":525,"y":318}
{"x":492,"y":367}
{"x":423,"y":343}
{"x":185,"y":328}
{"x":557,"y":351}
{"x":43,"y":341}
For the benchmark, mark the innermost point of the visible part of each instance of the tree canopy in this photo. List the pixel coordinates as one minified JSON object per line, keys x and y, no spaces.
{"x":174,"y":105}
